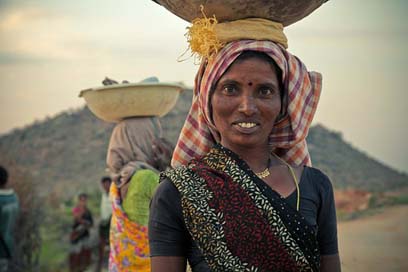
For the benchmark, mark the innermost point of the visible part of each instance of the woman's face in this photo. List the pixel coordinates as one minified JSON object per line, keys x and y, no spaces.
{"x":246,"y":103}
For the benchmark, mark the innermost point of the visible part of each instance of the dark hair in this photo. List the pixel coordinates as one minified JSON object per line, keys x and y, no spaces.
{"x":3,"y":176}
{"x":106,"y":179}
{"x":81,"y":195}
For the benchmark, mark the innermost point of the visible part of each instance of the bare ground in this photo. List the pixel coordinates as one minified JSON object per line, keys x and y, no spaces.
{"x":375,"y":243}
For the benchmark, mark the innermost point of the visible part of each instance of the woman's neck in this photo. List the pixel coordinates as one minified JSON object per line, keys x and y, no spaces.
{"x":257,"y":158}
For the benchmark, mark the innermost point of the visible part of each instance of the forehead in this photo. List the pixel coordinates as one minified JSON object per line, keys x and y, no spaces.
{"x":251,"y":68}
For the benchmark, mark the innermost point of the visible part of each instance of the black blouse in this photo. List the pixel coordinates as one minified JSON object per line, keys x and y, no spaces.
{"x":168,"y":235}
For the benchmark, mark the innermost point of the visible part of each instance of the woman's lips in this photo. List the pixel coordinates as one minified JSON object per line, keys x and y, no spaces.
{"x":246,"y":127}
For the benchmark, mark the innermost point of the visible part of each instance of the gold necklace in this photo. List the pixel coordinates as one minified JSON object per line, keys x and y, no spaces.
{"x":265,"y":172}
{"x":294,"y":180}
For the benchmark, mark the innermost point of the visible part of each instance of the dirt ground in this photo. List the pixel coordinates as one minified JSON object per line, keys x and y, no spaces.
{"x":375,"y":243}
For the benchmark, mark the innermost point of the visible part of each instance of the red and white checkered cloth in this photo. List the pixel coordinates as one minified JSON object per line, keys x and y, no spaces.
{"x":287,"y":139}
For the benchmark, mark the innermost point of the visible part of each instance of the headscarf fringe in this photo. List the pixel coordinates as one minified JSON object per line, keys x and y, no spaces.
{"x":202,"y":38}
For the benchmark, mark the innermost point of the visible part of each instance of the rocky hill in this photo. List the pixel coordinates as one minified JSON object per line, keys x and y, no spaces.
{"x":67,"y":153}
{"x":349,"y":167}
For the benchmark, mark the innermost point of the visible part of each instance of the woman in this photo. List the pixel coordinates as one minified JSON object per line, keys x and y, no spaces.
{"x":245,"y":199}
{"x":135,"y":156}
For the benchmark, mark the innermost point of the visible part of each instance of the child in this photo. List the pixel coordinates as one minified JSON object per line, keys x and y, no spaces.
{"x":80,"y":251}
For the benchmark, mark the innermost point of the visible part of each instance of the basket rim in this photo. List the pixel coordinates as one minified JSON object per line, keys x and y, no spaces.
{"x":129,"y":85}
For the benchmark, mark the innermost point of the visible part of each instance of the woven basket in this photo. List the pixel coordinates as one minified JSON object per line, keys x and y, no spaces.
{"x":115,"y":102}
{"x":283,"y":11}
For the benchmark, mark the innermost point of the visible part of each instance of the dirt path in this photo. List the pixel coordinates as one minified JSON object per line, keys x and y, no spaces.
{"x":375,"y":243}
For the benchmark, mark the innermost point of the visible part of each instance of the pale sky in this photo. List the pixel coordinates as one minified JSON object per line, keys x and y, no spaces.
{"x":50,"y":50}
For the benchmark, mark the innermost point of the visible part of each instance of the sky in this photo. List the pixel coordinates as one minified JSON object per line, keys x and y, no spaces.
{"x":50,"y":50}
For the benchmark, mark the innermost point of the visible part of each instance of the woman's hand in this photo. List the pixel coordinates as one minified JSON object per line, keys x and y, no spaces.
{"x":330,"y":263}
{"x":168,"y":264}
{"x":162,"y":152}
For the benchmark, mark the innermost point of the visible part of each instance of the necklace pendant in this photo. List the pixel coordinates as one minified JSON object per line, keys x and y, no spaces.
{"x":263,"y":174}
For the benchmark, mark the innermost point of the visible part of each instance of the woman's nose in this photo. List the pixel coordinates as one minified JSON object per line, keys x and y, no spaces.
{"x":247,"y":105}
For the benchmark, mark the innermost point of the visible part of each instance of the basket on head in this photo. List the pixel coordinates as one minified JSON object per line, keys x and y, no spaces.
{"x":285,"y":12}
{"x":114,"y":103}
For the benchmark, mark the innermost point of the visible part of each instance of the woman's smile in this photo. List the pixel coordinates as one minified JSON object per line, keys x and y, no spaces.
{"x":246,"y":102}
{"x":246,"y":127}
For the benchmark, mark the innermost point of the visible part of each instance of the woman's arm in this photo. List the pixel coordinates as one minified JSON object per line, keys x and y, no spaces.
{"x":327,"y":228}
{"x":168,"y":264}
{"x":168,"y":236}
{"x":330,"y":263}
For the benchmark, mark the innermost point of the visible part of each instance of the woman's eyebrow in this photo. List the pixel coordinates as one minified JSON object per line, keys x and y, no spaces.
{"x":272,"y":85}
{"x":227,"y":81}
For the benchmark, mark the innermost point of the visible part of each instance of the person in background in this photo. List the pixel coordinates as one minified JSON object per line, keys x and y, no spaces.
{"x":104,"y":224}
{"x":136,"y":153}
{"x":80,"y":251}
{"x":9,"y":210}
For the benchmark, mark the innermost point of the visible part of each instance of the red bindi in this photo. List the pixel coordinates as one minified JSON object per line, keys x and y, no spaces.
{"x":250,"y":83}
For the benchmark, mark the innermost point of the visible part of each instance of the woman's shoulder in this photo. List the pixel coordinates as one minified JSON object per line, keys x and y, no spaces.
{"x":169,"y":174}
{"x":181,"y":176}
{"x":165,"y":206}
{"x":317,"y":178}
{"x":166,"y":188}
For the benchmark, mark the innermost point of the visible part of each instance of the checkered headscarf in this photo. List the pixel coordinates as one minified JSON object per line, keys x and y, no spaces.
{"x":301,"y":87}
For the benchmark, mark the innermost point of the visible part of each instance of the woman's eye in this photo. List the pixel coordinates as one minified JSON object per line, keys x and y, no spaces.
{"x":229,"y":89}
{"x":265,"y":91}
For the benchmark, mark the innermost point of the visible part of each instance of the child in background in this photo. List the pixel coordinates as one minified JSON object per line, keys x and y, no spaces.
{"x":104,"y":224}
{"x":80,"y":251}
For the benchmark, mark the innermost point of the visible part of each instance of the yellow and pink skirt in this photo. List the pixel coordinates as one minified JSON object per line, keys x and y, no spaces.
{"x":129,"y":244}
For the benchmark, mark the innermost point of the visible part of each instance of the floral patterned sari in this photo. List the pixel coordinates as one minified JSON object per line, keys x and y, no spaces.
{"x":129,"y":245}
{"x":239,"y":222}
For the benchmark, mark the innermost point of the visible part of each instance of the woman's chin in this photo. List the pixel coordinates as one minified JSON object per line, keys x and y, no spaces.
{"x":244,"y":143}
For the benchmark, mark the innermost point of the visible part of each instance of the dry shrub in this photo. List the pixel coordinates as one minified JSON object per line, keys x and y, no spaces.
{"x":352,"y":200}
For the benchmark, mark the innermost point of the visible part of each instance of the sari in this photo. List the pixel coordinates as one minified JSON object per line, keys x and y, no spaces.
{"x":238,"y":222}
{"x":130,"y":150}
{"x":129,"y":247}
